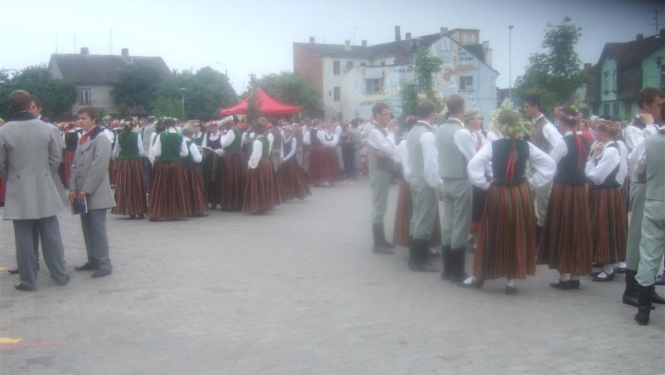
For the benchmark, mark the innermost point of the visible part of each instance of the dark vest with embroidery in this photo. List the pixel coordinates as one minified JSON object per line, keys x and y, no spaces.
{"x":610,"y":182}
{"x":313,"y":137}
{"x":501,"y":153}
{"x":216,"y":144}
{"x":188,"y":160}
{"x":570,"y":170}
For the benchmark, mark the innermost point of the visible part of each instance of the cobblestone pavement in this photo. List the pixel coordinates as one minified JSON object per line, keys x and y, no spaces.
{"x":298,"y":291}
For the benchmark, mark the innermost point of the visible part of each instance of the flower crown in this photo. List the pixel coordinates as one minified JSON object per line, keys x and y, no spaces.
{"x":608,"y":126}
{"x":520,"y":129}
{"x":558,"y":112}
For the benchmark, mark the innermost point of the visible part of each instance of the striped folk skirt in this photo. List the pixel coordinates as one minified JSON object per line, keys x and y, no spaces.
{"x":196,"y":190}
{"x":68,"y":161}
{"x":129,"y":189}
{"x":319,"y":167}
{"x":233,"y":186}
{"x":112,"y":172}
{"x":609,"y":225}
{"x":3,"y":191}
{"x":213,"y":167}
{"x":333,"y":163}
{"x":403,"y":219}
{"x":169,"y":198}
{"x":507,"y":237}
{"x":478,"y":206}
{"x":261,"y":192}
{"x":565,"y":244}
{"x":291,"y":181}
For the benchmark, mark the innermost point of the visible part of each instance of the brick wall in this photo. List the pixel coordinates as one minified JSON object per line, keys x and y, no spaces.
{"x":308,"y":64}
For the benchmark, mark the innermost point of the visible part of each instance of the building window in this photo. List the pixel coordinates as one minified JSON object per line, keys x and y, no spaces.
{"x":84,"y":96}
{"x":383,"y":63}
{"x":372,"y":86}
{"x":628,"y":109}
{"x":337,"y":94}
{"x":363,"y":64}
{"x":606,"y":109}
{"x":614,"y":80}
{"x":606,"y":81}
{"x":336,"y":70}
{"x":466,"y":83}
{"x":615,"y":109}
{"x":349,"y":65}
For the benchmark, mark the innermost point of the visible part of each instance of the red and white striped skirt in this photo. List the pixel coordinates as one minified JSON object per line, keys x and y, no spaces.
{"x":169,"y":198}
{"x":129,"y":189}
{"x":609,"y":225}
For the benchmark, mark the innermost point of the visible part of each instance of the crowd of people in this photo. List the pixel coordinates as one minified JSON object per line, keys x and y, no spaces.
{"x":527,"y":192}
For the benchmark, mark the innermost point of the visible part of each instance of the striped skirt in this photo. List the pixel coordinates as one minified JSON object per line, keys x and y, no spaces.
{"x":403,"y":219}
{"x":609,"y":225}
{"x":196,"y":190}
{"x":112,"y":172}
{"x":478,"y":206}
{"x":507,"y":237}
{"x":233,"y":186}
{"x":291,"y":181}
{"x":129,"y":189}
{"x":565,"y":244}
{"x":319,"y":167}
{"x":68,"y":160}
{"x":169,"y":198}
{"x":3,"y":191}
{"x":213,"y":167}
{"x":261,"y":192}
{"x":333,"y":163}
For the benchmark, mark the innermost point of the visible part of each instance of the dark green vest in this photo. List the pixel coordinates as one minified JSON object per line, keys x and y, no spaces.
{"x":266,"y":146}
{"x":199,"y":140}
{"x":287,"y":146}
{"x":129,"y":148}
{"x":236,"y":145}
{"x":188,"y":160}
{"x":170,"y":147}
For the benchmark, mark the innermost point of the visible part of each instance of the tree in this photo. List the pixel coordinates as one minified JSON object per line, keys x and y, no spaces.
{"x":555,"y":74}
{"x":168,"y":107}
{"x":292,"y":89}
{"x":57,"y":95}
{"x":423,"y":69}
{"x":206,"y":91}
{"x":137,"y":87}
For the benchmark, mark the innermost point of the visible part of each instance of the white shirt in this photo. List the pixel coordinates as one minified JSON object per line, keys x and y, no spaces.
{"x":543,"y":165}
{"x":638,"y":161}
{"x":633,"y":134}
{"x":213,"y":137}
{"x":306,"y":138}
{"x":322,"y":137}
{"x":157,"y":147}
{"x":466,"y":143}
{"x":293,"y":142}
{"x":194,"y":151}
{"x":402,"y":154}
{"x":109,"y":134}
{"x":271,"y":138}
{"x":493,"y":136}
{"x":608,"y":160}
{"x":430,"y":159}
{"x":228,"y":138}
{"x":386,"y":144}
{"x":257,"y":153}
{"x":549,"y":131}
{"x":116,"y":148}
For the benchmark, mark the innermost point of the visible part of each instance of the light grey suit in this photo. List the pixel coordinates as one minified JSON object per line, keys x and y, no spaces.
{"x":90,"y":174}
{"x":29,"y":159}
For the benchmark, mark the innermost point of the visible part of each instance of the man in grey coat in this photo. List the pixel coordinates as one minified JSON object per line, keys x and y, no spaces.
{"x":29,"y":158}
{"x":90,"y":181}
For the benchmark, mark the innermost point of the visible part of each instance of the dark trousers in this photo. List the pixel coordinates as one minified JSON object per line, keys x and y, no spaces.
{"x":96,"y":242}
{"x":26,"y":243}
{"x":146,"y":172}
{"x":348,"y":156}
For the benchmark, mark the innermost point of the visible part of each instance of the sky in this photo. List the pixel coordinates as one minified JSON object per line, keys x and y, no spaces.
{"x":256,"y":37}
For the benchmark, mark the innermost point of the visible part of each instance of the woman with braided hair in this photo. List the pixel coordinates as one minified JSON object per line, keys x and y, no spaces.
{"x":565,"y":243}
{"x":129,"y":190}
{"x":507,"y":241}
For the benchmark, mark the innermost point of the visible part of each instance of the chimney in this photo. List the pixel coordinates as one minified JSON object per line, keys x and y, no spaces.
{"x":398,"y":34}
{"x":84,"y":51}
{"x":443,"y":30}
{"x":408,"y":36}
{"x":640,"y":36}
{"x":662,"y":33}
{"x":365,"y":43}
{"x":125,"y":53}
{"x":312,"y":40}
{"x":487,"y":53}
{"x":347,"y":45}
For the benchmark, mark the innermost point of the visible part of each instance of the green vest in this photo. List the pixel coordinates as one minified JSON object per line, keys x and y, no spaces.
{"x":415,"y":152}
{"x":286,"y":144}
{"x":188,"y":160}
{"x":452,"y":163}
{"x":236,"y":145}
{"x":266,"y":146}
{"x":655,"y":149}
{"x":170,"y":146}
{"x":129,"y":148}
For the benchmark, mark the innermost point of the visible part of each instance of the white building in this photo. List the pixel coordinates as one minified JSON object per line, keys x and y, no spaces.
{"x":352,"y":78}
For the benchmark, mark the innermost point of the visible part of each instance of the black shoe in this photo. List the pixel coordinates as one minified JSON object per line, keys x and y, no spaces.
{"x":563,"y":285}
{"x":13,"y":271}
{"x":510,"y":290}
{"x":24,"y":288}
{"x":423,"y":267}
{"x":63,"y":283}
{"x":655,"y":298}
{"x":660,"y":280}
{"x":458,"y":260}
{"x":643,"y":304}
{"x":380,"y":236}
{"x":621,"y":270}
{"x":574,"y":284}
{"x":89,"y":266}
{"x":610,"y":277}
{"x":445,"y":258}
{"x":474,"y":284}
{"x":101,"y":273}
{"x":630,"y":292}
{"x":380,"y":249}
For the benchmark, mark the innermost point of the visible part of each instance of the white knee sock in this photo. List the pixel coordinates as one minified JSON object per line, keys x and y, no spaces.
{"x":608,"y":269}
{"x":564,"y":276}
{"x":469,"y":280}
{"x":511,"y":283}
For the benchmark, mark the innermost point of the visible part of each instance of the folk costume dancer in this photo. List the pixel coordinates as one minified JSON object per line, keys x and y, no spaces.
{"x":306,"y":144}
{"x":29,"y":159}
{"x":90,"y":182}
{"x":169,"y":198}
{"x":330,"y":143}
{"x":234,"y":166}
{"x":193,"y":175}
{"x":652,"y":244}
{"x":71,"y":138}
{"x":544,"y":136}
{"x":2,"y":182}
{"x":607,"y":203}
{"x":130,"y":194}
{"x":424,"y":180}
{"x":507,"y":243}
{"x":456,"y":146}
{"x":261,"y":193}
{"x":146,"y":135}
{"x":291,"y":181}
{"x":381,"y":150}
{"x":213,"y":164}
{"x":319,"y":172}
{"x":565,"y":244}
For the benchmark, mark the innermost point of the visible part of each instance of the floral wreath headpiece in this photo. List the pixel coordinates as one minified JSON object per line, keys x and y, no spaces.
{"x":520,"y":129}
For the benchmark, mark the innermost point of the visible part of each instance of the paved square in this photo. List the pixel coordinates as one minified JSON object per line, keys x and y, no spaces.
{"x":298,"y":291}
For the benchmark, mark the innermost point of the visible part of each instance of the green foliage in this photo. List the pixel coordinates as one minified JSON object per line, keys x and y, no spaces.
{"x":137,"y":87}
{"x":164,"y":106}
{"x":206,"y":91}
{"x":57,"y":95}
{"x":556,"y":74}
{"x":409,"y":100}
{"x":291,"y":89}
{"x":424,"y":69}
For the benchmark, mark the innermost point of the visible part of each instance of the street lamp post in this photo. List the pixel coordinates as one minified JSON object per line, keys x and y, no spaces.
{"x":225,"y":68}
{"x":510,"y":63}
{"x":182,"y":99}
{"x":415,"y":42}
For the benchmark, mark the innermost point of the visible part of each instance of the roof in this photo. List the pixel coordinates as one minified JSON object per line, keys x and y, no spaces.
{"x":634,"y":51}
{"x":101,"y":69}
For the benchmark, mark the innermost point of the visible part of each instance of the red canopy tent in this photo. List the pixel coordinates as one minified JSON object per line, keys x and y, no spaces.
{"x":266,"y":104}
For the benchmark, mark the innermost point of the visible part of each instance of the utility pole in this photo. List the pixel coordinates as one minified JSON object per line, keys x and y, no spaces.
{"x":510,"y":63}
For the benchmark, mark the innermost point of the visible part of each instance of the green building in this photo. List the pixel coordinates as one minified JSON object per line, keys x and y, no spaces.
{"x":622,"y":71}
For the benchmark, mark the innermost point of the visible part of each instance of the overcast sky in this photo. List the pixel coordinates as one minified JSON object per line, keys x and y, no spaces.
{"x":256,"y":36}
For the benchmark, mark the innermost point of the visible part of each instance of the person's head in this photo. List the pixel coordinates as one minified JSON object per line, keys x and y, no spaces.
{"x":607,"y":130}
{"x":88,"y":117}
{"x":127,"y":125}
{"x":288,"y":130}
{"x":213,"y":127}
{"x":261,"y":125}
{"x":381,"y":113}
{"x":568,"y":118}
{"x":455,"y":105}
{"x":426,"y":111}
{"x":35,"y":106}
{"x":2,"y":122}
{"x":662,"y":113}
{"x":188,"y":131}
{"x":169,"y":123}
{"x":19,"y":101}
{"x":531,"y":105}
{"x":649,"y":100}
{"x":354,"y":123}
{"x":143,"y":122}
{"x":473,"y":120}
{"x":115,"y":123}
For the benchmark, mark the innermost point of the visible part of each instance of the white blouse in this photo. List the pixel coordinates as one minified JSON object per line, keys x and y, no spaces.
{"x":157,"y":147}
{"x":430,"y":159}
{"x":294,"y":143}
{"x":608,"y":160}
{"x":117,"y":148}
{"x":257,"y":153}
{"x":194,"y":151}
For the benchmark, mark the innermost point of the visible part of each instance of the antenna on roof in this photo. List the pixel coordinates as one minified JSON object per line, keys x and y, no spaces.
{"x":655,"y":18}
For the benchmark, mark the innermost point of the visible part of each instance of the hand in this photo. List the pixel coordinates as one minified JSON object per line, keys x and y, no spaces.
{"x":81,"y":196}
{"x":281,"y":160}
{"x":597,"y":150}
{"x":72,"y":196}
{"x":492,"y":181}
{"x":391,"y":126}
{"x":646,"y":118}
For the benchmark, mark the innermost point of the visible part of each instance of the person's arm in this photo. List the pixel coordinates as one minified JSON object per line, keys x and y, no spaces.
{"x":634,"y":135}
{"x":4,"y":165}
{"x":257,"y":152}
{"x":638,"y":158}
{"x":431,"y":157}
{"x":466,"y":143}
{"x":551,"y":134}
{"x":228,"y":138}
{"x":157,"y":147}
{"x":184,"y":151}
{"x":559,"y":151}
{"x":100,"y":164}
{"x":55,"y":150}
{"x":476,"y":167}
{"x":196,"y":154}
{"x":140,"y":144}
{"x":306,"y":139}
{"x":543,"y":165}
{"x":293,"y":149}
{"x":379,"y":142}
{"x":609,"y":160}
